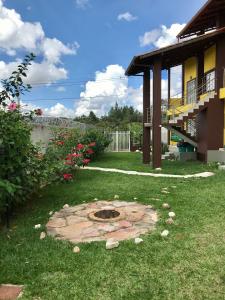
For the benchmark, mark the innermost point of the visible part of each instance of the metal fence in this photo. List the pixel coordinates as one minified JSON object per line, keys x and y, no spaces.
{"x":120,"y":141}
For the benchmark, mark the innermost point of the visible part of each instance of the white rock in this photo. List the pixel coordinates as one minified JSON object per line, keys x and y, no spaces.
{"x":76,"y":249}
{"x":138,"y":151}
{"x":95,"y":199}
{"x":66,"y":206}
{"x":135,"y":198}
{"x":172,"y":214}
{"x":166,"y":206}
{"x":169,"y":221}
{"x":222,"y":167}
{"x":165,"y":233}
{"x":116,"y":197}
{"x":111,"y":243}
{"x":165,"y":192}
{"x":37,"y":226}
{"x":138,"y":241}
{"x":158,"y":169}
{"x":42,"y":235}
{"x":50,"y":213}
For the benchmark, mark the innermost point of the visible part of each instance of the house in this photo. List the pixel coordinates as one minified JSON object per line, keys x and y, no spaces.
{"x":197,"y":115}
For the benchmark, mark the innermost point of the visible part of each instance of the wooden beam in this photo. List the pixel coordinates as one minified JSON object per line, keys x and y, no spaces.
{"x":157,"y":113}
{"x":183,"y":82}
{"x":146,"y":106}
{"x":169,"y":96}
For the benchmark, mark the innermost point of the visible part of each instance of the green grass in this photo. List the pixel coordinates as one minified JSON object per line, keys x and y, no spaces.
{"x":133,"y":162}
{"x":189,"y":264}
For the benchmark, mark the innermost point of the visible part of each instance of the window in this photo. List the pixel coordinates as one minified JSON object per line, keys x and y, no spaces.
{"x":210,"y":81}
{"x":191,"y":91}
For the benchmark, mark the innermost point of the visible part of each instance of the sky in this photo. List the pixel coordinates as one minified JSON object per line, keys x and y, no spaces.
{"x":83,"y":48}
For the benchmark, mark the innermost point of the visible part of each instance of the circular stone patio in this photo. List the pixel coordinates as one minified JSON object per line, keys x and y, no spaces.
{"x":102,"y":220}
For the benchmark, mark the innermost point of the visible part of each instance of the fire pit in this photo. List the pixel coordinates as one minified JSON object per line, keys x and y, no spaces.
{"x":101,"y":220}
{"x":106,"y":215}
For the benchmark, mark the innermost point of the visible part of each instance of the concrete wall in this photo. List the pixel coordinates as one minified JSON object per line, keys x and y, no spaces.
{"x":41,"y":135}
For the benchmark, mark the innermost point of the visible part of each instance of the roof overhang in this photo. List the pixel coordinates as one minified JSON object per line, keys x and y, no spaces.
{"x":172,"y":55}
{"x":205,"y":20}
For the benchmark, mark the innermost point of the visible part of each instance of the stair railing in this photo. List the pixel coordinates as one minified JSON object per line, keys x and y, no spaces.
{"x":197,"y":92}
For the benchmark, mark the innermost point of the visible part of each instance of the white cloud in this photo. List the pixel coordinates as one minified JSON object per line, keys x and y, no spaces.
{"x":35,"y":72}
{"x":59,"y":110}
{"x":51,"y":73}
{"x":161,"y":37}
{"x":110,"y":86}
{"x":53,"y":49}
{"x":127,"y":16}
{"x":15,"y":34}
{"x":82,"y":3}
{"x":61,"y":89}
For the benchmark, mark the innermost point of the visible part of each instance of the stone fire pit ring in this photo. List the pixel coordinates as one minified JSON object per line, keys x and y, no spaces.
{"x":102,"y":220}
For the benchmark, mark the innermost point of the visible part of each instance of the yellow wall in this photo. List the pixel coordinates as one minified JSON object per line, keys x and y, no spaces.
{"x":210,"y":59}
{"x":175,"y":102}
{"x":190,"y":71}
{"x":222,"y":93}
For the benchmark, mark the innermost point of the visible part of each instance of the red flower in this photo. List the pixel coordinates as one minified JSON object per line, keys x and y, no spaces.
{"x":38,"y":112}
{"x":67,"y":176}
{"x":60,"y":143}
{"x":89,"y":151}
{"x":69,"y":157}
{"x":86,"y":161}
{"x":93,"y":144}
{"x":80,"y":146}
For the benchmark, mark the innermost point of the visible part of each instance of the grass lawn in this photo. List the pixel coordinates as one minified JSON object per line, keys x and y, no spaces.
{"x":133,"y":161}
{"x":188,"y":264}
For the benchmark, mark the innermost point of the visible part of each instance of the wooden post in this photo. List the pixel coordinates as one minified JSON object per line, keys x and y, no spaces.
{"x":169,"y":96}
{"x":146,"y":106}
{"x":157,"y":114}
{"x":200,"y":69}
{"x":183,"y":84}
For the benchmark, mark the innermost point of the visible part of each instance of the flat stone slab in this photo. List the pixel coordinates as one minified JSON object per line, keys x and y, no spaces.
{"x":79,"y":224}
{"x":10,"y":291}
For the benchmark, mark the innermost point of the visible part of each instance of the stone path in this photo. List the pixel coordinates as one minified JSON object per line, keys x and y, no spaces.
{"x":198,"y":175}
{"x":81,"y":223}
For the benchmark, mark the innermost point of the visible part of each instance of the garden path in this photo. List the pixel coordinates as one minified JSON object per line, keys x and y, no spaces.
{"x":197,"y":175}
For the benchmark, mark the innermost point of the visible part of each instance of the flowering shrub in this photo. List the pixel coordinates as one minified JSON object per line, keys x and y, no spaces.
{"x":101,"y":141}
{"x":21,"y":167}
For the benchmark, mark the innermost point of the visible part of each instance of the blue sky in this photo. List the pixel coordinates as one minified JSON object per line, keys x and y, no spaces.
{"x":74,"y":39}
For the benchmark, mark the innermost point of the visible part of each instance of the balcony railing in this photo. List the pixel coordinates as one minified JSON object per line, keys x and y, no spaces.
{"x":207,"y":88}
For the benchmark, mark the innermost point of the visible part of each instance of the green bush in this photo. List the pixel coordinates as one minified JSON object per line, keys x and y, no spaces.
{"x":101,"y":140}
{"x":21,"y":170}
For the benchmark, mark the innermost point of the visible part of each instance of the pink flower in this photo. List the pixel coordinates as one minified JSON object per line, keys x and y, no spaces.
{"x":89,"y":151}
{"x":80,"y":146}
{"x":93,"y":144}
{"x":67,"y":176}
{"x":12,"y":106}
{"x":86,"y":161}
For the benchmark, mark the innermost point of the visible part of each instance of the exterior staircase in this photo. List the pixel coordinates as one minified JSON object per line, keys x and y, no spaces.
{"x":196,"y":108}
{"x":176,"y":123}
